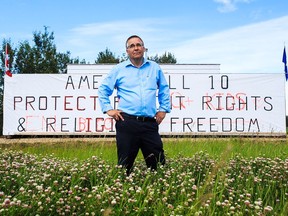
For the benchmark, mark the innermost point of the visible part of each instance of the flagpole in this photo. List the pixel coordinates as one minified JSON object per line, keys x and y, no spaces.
{"x":7,"y":70}
{"x":284,"y":60}
{"x":6,"y":53}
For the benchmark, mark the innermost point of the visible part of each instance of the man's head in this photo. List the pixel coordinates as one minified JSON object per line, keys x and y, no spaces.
{"x":135,"y":47}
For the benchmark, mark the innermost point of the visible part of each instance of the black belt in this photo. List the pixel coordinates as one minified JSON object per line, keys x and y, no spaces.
{"x":138,"y":118}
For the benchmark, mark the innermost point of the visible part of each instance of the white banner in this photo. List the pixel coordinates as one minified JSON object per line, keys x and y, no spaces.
{"x":202,"y":103}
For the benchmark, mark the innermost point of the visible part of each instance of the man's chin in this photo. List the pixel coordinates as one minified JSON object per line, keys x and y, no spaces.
{"x":138,"y":57}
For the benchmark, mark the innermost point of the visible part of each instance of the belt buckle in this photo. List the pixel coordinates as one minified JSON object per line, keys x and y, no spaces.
{"x":140,"y":118}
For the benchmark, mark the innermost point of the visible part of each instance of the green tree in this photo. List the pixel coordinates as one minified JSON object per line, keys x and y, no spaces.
{"x":123,"y":57}
{"x":25,"y":59}
{"x":167,"y":58}
{"x":42,"y":57}
{"x":106,"y":57}
{"x":77,"y":61}
{"x":62,"y":60}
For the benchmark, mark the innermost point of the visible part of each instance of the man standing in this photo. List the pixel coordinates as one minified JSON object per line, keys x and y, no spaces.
{"x":137,"y":82}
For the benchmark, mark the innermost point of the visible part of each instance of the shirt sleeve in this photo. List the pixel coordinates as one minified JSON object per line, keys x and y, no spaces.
{"x":163,"y":94}
{"x":106,"y":90}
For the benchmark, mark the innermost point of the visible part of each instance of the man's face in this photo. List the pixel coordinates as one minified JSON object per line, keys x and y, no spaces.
{"x":135,"y":48}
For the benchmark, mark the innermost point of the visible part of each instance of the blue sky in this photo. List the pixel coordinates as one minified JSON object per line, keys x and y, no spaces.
{"x":245,"y":36}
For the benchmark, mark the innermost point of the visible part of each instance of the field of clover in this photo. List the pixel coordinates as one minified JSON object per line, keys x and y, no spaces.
{"x":198,"y":185}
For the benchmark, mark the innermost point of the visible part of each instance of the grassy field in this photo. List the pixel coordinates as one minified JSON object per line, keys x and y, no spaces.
{"x":203,"y":176}
{"x":84,"y":148}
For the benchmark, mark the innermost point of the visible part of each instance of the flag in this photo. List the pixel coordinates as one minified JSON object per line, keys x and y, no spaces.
{"x":284,"y":60}
{"x":7,"y":71}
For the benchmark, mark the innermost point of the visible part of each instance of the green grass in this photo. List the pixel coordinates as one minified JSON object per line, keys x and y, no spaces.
{"x":72,"y":149}
{"x":228,"y":147}
{"x":231,"y":176}
{"x":174,"y":147}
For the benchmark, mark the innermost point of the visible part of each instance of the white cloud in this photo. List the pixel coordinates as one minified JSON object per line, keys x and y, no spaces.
{"x":229,"y":5}
{"x":89,"y":39}
{"x":253,"y":48}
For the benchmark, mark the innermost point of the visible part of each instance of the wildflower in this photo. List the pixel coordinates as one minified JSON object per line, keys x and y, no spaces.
{"x":259,"y":202}
{"x":7,"y":202}
{"x":39,"y":187}
{"x":170,"y":206}
{"x":21,"y":189}
{"x":113,"y":202}
{"x":131,"y":189}
{"x":164,"y":199}
{"x":77,"y":198}
{"x":268,"y":209}
{"x":198,"y":213}
{"x":247,"y":202}
{"x":131,"y":200}
{"x":138,"y":190}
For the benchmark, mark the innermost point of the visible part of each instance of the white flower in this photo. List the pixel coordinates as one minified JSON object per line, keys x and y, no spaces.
{"x":39,"y":187}
{"x":21,"y":189}
{"x":113,"y":202}
{"x":7,"y":201}
{"x":268,"y":209}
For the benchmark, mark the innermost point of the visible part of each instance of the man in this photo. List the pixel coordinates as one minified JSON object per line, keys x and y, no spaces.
{"x":137,"y":117}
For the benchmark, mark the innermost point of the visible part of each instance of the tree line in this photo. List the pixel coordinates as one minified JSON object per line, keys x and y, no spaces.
{"x":42,"y":57}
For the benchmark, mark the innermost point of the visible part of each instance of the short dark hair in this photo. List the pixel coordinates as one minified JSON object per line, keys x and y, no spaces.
{"x":133,"y":36}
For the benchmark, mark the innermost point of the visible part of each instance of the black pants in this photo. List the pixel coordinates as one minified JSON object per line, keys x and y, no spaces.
{"x":132,"y":135}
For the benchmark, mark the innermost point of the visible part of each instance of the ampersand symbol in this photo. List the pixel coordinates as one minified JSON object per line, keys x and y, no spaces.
{"x":20,"y":127}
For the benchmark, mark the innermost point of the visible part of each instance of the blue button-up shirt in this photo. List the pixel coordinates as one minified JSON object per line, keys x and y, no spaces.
{"x":137,"y":89}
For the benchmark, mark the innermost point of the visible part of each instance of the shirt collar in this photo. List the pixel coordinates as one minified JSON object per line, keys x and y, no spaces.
{"x":129,"y":63}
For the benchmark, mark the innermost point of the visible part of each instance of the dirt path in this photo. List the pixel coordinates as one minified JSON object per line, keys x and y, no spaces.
{"x":34,"y":140}
{"x":8,"y":141}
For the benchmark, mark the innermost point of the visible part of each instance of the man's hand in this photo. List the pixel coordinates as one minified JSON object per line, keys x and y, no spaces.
{"x":160,"y":116}
{"x":116,"y":114}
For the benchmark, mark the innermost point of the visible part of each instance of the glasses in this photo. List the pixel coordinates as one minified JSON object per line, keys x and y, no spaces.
{"x":132,"y":46}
